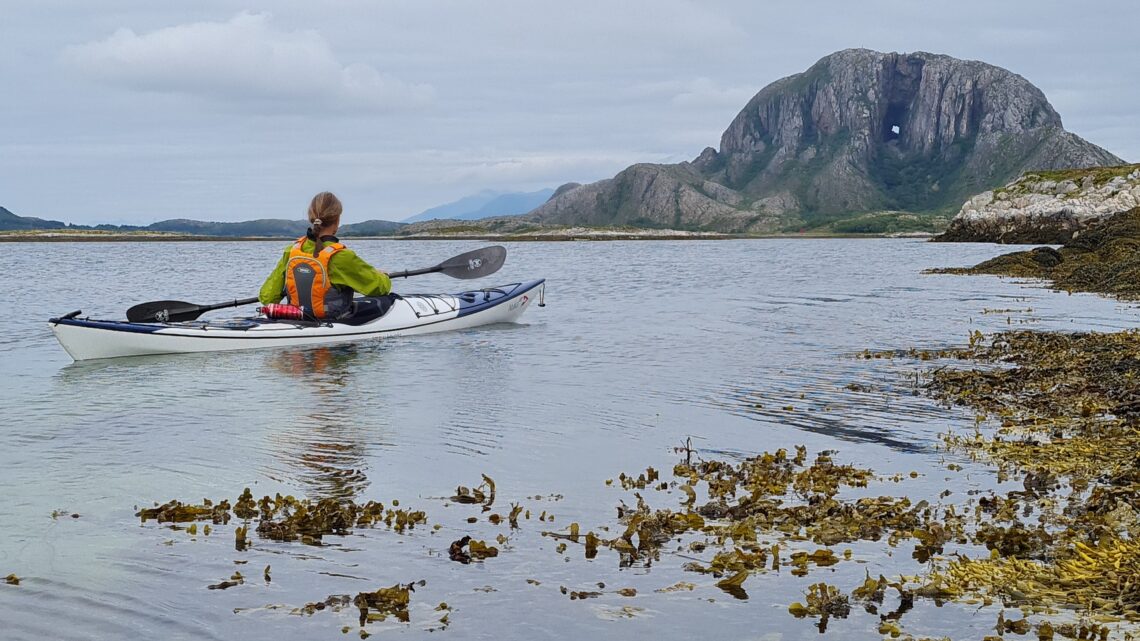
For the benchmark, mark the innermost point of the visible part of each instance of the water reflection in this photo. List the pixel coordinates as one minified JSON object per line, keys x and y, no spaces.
{"x":325,"y":448}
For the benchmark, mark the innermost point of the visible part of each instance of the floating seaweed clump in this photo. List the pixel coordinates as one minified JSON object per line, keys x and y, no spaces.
{"x":771,"y":495}
{"x":384,"y":603}
{"x":235,"y":579}
{"x":824,"y":601}
{"x":178,"y":512}
{"x":286,"y":518}
{"x":483,"y":494}
{"x":308,"y":521}
{"x":374,"y":606}
{"x":475,"y":550}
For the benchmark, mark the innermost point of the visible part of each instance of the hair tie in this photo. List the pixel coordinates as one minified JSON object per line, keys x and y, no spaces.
{"x":317,"y":222}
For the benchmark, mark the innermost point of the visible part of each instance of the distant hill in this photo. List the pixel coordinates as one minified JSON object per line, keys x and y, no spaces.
{"x":10,"y":221}
{"x":485,"y":204}
{"x":260,"y":227}
{"x":265,"y":227}
{"x":371,"y":228}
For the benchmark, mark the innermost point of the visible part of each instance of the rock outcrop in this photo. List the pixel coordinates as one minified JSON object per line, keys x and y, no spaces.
{"x":859,"y":131}
{"x":565,"y":188}
{"x":1103,"y":258}
{"x":1046,"y":207}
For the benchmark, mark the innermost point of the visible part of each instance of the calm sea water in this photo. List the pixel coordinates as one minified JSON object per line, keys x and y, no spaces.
{"x":642,"y":345}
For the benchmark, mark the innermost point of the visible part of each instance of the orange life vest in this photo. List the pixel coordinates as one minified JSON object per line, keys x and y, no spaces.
{"x":307,"y":282}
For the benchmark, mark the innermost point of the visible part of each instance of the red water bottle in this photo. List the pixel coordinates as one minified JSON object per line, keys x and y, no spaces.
{"x":283,"y":312}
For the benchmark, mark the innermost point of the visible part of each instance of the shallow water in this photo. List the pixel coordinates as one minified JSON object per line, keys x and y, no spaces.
{"x":642,"y":345}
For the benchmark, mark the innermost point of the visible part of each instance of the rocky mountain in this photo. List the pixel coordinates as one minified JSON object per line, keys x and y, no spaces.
{"x":1047,"y":206}
{"x":485,"y":204}
{"x":860,"y":131}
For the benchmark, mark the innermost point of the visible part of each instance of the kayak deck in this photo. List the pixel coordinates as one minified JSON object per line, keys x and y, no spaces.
{"x":409,"y":314}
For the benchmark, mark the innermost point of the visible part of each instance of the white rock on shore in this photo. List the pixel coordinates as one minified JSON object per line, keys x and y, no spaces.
{"x":1036,"y":209}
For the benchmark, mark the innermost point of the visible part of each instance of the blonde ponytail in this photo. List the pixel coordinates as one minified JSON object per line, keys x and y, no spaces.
{"x":324,"y":211}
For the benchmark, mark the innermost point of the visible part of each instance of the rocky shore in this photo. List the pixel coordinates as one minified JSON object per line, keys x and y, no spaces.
{"x":1047,"y":206}
{"x":1101,"y":258}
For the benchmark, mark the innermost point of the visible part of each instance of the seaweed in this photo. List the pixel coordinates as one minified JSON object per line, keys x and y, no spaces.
{"x":1101,"y":259}
{"x":1066,"y":415}
{"x":385,"y":602}
{"x":476,"y":550}
{"x":483,"y":494}
{"x":178,"y":512}
{"x":823,"y":601}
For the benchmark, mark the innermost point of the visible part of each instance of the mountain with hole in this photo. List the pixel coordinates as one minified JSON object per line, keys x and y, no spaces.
{"x":862,"y":142}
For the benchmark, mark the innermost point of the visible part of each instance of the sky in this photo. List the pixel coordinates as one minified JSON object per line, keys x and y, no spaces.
{"x":133,"y":112}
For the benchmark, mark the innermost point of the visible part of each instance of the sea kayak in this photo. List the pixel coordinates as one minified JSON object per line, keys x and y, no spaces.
{"x":408,"y":314}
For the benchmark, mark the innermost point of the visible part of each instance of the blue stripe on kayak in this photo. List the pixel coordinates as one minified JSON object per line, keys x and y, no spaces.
{"x":480,"y":304}
{"x":118,"y":326}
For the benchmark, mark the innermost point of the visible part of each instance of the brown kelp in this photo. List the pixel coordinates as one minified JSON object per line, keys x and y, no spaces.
{"x":287,"y":518}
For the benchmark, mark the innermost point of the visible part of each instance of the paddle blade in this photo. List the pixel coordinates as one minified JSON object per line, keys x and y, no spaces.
{"x":475,"y":264}
{"x":164,"y":311}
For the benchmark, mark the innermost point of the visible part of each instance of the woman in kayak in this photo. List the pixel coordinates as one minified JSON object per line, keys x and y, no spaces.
{"x":317,"y":273}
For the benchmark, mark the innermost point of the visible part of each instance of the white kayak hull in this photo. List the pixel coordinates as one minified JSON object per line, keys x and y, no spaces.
{"x":87,"y":339}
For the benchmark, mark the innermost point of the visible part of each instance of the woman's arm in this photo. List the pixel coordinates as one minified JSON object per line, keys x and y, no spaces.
{"x":273,"y":289}
{"x":351,"y":270}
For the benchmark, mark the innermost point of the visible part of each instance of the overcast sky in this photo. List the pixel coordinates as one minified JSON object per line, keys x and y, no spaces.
{"x":132,"y":112}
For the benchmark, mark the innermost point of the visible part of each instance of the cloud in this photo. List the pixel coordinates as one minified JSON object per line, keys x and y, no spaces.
{"x":470,"y":167}
{"x":698,"y":92}
{"x":244,"y":60}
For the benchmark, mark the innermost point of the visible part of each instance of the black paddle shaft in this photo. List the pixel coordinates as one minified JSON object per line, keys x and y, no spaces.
{"x":174,"y":311}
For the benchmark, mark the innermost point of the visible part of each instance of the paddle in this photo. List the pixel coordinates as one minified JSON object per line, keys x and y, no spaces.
{"x":172,"y":311}
{"x":472,"y":264}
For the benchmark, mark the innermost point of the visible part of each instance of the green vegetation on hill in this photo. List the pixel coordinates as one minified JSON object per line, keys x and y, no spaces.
{"x":923,"y":183}
{"x":1097,"y":175}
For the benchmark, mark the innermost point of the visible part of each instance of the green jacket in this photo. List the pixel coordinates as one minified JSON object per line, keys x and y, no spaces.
{"x":345,"y":269}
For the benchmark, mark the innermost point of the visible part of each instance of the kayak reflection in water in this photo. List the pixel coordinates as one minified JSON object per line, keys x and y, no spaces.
{"x":318,"y":274}
{"x":324,"y":450}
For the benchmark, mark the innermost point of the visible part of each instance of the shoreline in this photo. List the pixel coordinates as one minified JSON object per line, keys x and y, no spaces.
{"x":557,"y":238}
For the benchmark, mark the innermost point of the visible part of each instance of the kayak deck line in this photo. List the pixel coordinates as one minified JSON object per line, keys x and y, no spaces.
{"x":87,"y":338}
{"x":251,"y":323}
